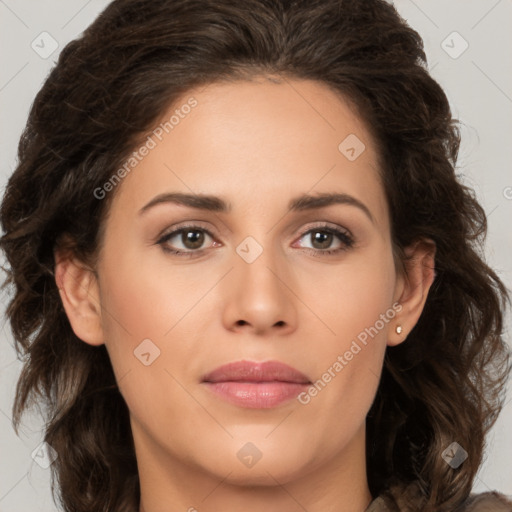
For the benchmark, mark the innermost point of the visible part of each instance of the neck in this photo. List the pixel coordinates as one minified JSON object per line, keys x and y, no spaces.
{"x":338,"y":483}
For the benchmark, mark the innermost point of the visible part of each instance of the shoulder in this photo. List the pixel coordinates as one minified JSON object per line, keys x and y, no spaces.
{"x":377,"y":505}
{"x":487,"y":502}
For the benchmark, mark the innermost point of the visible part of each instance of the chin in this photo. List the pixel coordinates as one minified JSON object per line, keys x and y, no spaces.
{"x":267,"y":471}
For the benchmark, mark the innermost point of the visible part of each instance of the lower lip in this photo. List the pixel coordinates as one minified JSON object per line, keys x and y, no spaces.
{"x":257,"y":395}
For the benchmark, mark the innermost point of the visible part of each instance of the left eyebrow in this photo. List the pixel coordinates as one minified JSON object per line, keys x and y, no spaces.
{"x":309,"y":202}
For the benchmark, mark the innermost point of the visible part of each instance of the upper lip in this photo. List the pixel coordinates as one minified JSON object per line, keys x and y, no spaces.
{"x":250,"y":371}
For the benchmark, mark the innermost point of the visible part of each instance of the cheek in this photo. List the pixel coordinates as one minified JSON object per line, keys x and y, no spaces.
{"x":135,"y":316}
{"x":357,"y":305}
{"x":151,"y":314}
{"x":146,"y":312}
{"x":353,"y":295}
{"x":146,"y":297}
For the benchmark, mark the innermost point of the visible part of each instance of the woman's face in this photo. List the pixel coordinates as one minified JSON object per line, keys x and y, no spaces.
{"x":261,"y":276}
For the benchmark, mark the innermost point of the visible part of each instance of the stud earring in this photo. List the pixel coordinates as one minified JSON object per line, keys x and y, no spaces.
{"x":398,"y":329}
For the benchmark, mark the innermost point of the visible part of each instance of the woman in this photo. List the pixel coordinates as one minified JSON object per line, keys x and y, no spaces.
{"x":245,"y":274}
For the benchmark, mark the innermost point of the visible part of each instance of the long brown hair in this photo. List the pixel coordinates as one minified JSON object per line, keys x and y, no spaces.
{"x":109,"y":88}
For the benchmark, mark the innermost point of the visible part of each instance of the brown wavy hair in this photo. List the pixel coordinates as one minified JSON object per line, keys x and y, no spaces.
{"x":109,"y":88}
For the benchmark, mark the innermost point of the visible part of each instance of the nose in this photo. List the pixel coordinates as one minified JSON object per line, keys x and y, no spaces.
{"x":259,"y":297}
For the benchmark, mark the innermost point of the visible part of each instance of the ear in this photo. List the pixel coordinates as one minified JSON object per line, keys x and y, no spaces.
{"x":412,"y":287}
{"x":79,"y":292}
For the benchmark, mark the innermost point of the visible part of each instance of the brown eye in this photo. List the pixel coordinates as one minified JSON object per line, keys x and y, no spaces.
{"x":186,"y":240}
{"x":192,"y":239}
{"x":321,"y":239}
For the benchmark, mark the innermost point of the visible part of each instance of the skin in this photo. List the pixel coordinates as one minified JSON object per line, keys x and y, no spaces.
{"x":256,"y":144}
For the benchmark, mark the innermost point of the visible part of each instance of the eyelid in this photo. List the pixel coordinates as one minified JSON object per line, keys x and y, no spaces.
{"x":344,"y":236}
{"x":328,"y":226}
{"x":337,"y":231}
{"x":186,"y":225}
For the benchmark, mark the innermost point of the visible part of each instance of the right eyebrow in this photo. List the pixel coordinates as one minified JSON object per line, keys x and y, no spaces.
{"x":200,"y":201}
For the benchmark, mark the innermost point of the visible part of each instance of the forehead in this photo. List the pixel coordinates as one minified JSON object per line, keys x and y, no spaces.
{"x":258,"y":143}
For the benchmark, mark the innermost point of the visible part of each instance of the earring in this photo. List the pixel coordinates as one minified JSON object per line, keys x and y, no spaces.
{"x":398,"y":329}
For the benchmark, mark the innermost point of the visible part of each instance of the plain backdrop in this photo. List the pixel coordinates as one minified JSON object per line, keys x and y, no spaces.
{"x":468,"y":45}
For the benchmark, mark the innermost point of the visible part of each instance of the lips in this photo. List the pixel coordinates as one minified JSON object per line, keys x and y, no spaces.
{"x":247,"y":371}
{"x":256,"y":385}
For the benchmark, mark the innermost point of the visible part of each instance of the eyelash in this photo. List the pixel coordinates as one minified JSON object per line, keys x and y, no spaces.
{"x":343,"y":236}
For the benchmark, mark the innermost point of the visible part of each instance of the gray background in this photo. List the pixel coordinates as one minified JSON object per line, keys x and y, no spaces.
{"x":478,"y":82}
